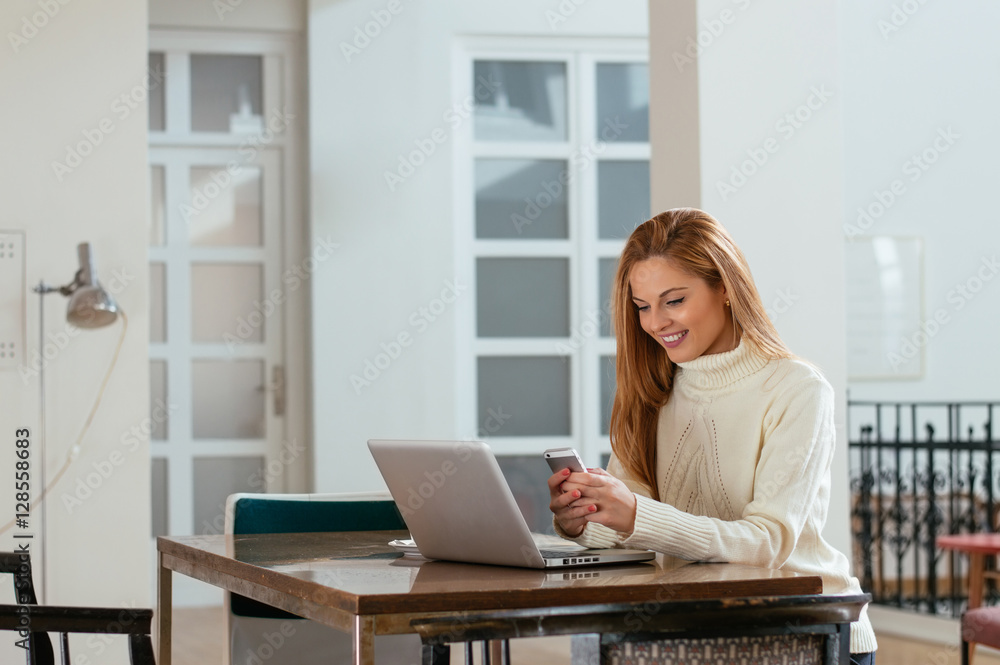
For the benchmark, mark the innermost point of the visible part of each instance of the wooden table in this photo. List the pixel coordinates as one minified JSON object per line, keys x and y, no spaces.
{"x":978,"y":546}
{"x":354,"y":582}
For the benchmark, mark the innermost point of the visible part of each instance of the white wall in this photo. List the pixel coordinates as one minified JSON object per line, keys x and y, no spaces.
{"x":784,"y":206}
{"x":64,"y":80}
{"x":901,"y":86}
{"x":397,"y":247}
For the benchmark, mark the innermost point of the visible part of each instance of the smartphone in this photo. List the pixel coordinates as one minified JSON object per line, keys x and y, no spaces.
{"x":562,"y":458}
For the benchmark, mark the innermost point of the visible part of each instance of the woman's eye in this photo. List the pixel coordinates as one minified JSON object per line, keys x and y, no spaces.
{"x":675,"y":302}
{"x":642,"y":309}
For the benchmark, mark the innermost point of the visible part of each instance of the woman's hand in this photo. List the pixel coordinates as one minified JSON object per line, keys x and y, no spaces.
{"x":594,"y":496}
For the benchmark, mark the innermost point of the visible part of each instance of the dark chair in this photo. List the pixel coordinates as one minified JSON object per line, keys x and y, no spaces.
{"x":33,"y":622}
{"x":250,"y":623}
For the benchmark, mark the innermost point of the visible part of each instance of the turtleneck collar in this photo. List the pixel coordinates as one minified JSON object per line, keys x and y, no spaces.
{"x":717,"y":371}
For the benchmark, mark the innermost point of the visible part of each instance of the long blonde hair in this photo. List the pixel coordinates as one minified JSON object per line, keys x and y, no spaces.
{"x":696,"y":243}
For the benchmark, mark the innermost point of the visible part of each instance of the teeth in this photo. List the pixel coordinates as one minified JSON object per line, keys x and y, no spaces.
{"x":673,"y":338}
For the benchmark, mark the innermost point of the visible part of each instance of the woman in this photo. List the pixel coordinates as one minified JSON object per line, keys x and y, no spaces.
{"x":721,"y":439}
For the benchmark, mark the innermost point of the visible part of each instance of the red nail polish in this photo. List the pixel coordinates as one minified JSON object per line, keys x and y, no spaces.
{"x":592,"y":508}
{"x":576,"y":494}
{"x":565,"y":472}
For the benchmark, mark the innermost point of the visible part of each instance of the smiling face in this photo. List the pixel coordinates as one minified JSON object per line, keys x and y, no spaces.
{"x":681,"y":312}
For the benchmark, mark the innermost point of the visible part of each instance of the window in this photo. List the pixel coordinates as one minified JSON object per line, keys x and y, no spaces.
{"x":552,"y":175}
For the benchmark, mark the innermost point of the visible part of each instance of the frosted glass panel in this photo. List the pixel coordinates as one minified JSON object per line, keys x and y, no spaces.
{"x":622,"y":102}
{"x":157,"y":303}
{"x":622,"y":197}
{"x":215,"y":478}
{"x":160,"y":498}
{"x":222,"y":302}
{"x":524,"y":396}
{"x":224,"y":208}
{"x":228,"y":399}
{"x":527,"y":481}
{"x":606,"y":274}
{"x":521,"y":198}
{"x":520,"y":101}
{"x":157,"y":116}
{"x":522,"y":297}
{"x":608,"y":384}
{"x":158,"y":206}
{"x":226,"y":93}
{"x":159,"y":410}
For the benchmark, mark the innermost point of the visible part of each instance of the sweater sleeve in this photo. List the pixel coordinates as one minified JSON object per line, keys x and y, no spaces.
{"x":791,"y":483}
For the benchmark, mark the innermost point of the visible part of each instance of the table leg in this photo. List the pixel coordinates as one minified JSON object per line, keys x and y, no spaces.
{"x":164,"y":608}
{"x":363,"y":640}
{"x":977,"y":563}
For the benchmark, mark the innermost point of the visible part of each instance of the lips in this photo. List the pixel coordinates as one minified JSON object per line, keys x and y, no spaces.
{"x":674,"y":339}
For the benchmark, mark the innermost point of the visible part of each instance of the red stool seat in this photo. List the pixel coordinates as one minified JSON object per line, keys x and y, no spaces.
{"x":982,"y":625}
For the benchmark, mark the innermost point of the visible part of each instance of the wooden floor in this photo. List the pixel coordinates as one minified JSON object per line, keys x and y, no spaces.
{"x":198,"y":635}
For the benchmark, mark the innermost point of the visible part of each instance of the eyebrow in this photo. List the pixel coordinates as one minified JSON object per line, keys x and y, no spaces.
{"x":676,"y":288}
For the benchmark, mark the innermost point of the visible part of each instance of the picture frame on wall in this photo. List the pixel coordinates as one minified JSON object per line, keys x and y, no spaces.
{"x":885,"y":296}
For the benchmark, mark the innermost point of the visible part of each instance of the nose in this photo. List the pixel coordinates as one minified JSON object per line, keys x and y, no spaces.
{"x":659,"y":320}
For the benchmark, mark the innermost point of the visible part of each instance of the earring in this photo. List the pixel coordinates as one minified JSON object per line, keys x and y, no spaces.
{"x":727,"y":303}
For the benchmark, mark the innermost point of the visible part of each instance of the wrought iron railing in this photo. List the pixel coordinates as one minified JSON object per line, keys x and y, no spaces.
{"x":919,"y":470}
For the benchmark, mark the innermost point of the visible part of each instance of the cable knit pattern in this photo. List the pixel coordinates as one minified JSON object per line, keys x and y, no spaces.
{"x":744,"y":448}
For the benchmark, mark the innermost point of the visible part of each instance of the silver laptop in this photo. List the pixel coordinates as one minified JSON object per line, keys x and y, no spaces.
{"x":458,"y":507}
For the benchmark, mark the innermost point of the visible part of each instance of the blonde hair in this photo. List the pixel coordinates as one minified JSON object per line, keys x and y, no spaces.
{"x":696,"y":243}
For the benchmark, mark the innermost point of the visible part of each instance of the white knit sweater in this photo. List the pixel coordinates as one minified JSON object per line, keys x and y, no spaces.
{"x":744,"y":446}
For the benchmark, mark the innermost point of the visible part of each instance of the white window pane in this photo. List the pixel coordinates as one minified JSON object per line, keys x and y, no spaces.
{"x":222,"y":302}
{"x":225,"y":207}
{"x":159,"y":411}
{"x":158,"y":206}
{"x":623,"y":197}
{"x":160,"y":498}
{"x":522,"y":297}
{"x":228,"y":399}
{"x":226,"y":93}
{"x":524,"y":395}
{"x":622,"y":102}
{"x":215,"y":478}
{"x":521,"y":198}
{"x":157,"y":302}
{"x":156,"y":97}
{"x":606,"y":274}
{"x":608,"y":384}
{"x":520,"y":101}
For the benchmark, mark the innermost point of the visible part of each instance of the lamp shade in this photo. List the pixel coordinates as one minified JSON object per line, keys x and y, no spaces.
{"x":90,"y":306}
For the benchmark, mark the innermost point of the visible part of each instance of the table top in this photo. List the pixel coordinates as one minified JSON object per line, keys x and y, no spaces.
{"x":983,"y":543}
{"x":359,"y":573}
